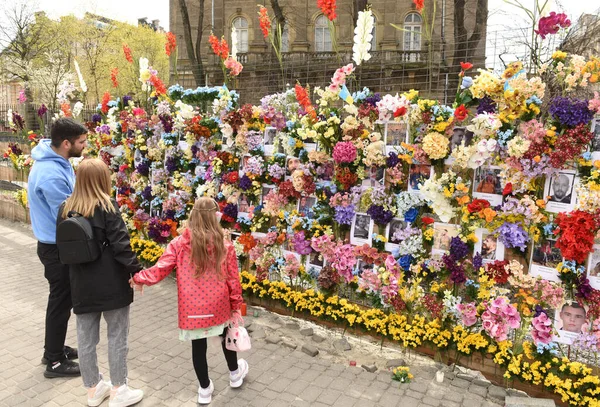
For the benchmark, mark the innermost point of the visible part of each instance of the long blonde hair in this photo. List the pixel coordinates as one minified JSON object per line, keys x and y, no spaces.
{"x":208,"y":245}
{"x":92,"y":189}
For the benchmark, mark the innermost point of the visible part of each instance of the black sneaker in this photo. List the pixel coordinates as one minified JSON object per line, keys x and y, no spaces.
{"x":64,"y":368}
{"x":70,"y":353}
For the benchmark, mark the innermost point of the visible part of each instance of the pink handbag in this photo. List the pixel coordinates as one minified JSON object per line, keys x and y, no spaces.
{"x":237,"y":339}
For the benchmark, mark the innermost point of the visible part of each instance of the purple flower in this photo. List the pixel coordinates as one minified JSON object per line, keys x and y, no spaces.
{"x":96,"y":118}
{"x":300,"y":244}
{"x":171,"y":164}
{"x":372,"y":100}
{"x":143,"y":168}
{"x":380,"y":215}
{"x":245,"y":183}
{"x":584,"y":289}
{"x":126,"y":100}
{"x":167,"y":122}
{"x":457,"y":274}
{"x":344,"y":214}
{"x":570,"y":112}
{"x":513,"y":235}
{"x":42,"y":110}
{"x":477,"y":261}
{"x":147,"y":194}
{"x":18,"y":121}
{"x":458,"y":248}
{"x":392,"y":160}
{"x":486,"y":105}
{"x":230,"y":210}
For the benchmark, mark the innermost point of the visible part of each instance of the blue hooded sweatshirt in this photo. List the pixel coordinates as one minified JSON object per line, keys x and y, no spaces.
{"x":50,"y":183}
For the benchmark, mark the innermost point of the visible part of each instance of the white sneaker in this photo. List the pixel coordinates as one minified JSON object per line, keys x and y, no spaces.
{"x":236,"y":380}
{"x":102,"y":391}
{"x":205,"y":395}
{"x":124,"y":396}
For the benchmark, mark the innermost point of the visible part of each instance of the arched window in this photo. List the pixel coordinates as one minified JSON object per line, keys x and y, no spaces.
{"x":241,"y":28}
{"x":412,"y":32}
{"x":374,"y":32}
{"x":322,"y":35}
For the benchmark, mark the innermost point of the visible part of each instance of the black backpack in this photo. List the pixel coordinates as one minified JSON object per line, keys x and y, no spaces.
{"x":75,"y":240}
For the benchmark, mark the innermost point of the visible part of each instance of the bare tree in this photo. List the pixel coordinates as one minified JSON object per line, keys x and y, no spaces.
{"x":194,"y":53}
{"x":93,"y":42}
{"x":465,"y":45}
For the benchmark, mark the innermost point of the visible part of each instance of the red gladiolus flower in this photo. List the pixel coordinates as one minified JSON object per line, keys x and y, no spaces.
{"x":507,"y":189}
{"x":113,"y":77}
{"x":401,"y":111}
{"x":552,"y":23}
{"x":419,"y":4}
{"x":159,"y":86}
{"x":304,"y":100}
{"x":105,"y":100}
{"x":219,"y":48}
{"x":478,"y":205}
{"x":127,"y":52}
{"x":465,"y":66}
{"x":171,"y":43}
{"x":264,"y":20}
{"x":328,"y":8}
{"x":461,"y":113}
{"x":576,"y":231}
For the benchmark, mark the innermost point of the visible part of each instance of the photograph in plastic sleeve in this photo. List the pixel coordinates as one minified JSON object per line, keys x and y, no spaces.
{"x":361,"y":229}
{"x":570,"y":321}
{"x":396,"y":133}
{"x":314,"y":263}
{"x":595,"y":144}
{"x":392,"y":230}
{"x":269,"y":140}
{"x":291,"y":164}
{"x":266,"y":188}
{"x":593,"y":269}
{"x":488,"y":246}
{"x":376,"y":177}
{"x":487,"y":185}
{"x":417,"y":175}
{"x":545,"y":256}
{"x":442,"y":236}
{"x":243,"y":164}
{"x":306,"y":206}
{"x":561,"y":192}
{"x":243,"y":204}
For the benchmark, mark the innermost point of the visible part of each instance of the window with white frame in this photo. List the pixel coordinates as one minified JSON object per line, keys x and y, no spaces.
{"x":322,"y":35}
{"x":241,"y":28}
{"x":412,"y":32}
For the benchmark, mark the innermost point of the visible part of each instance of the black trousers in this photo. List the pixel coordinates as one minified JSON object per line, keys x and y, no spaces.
{"x":59,"y":302}
{"x":199,"y":359}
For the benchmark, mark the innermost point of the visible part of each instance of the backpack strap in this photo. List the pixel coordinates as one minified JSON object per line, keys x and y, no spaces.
{"x":73,"y":213}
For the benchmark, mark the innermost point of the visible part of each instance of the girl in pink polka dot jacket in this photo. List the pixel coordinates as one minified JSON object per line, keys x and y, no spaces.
{"x":208,"y":290}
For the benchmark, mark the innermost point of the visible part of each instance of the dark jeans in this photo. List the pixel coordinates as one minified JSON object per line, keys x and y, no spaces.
{"x":59,"y":302}
{"x":199,"y":359}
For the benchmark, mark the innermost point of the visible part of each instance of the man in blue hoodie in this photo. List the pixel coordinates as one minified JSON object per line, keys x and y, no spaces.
{"x":51,"y":182}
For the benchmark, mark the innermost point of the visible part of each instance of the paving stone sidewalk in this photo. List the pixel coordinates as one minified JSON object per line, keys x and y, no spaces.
{"x":280,"y":375}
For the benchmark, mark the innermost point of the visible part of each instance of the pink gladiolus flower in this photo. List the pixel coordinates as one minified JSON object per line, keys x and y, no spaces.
{"x":552,"y":23}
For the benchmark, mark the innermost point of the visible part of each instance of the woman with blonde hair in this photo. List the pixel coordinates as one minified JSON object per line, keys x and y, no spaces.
{"x":208,"y":290}
{"x":101,"y":287}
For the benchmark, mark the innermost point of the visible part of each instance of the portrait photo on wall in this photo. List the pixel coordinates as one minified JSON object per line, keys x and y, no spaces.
{"x":243,"y":163}
{"x":291,"y":164}
{"x":315,"y":259}
{"x":560,"y":190}
{"x":361,"y":266}
{"x":266,"y":188}
{"x":243,"y":204}
{"x":570,"y":321}
{"x":488,"y":246}
{"x":595,"y":144}
{"x":417,"y":175}
{"x":306,"y":204}
{"x":269,"y":140}
{"x":376,"y":177}
{"x":545,"y":256}
{"x":396,"y":133}
{"x":392,"y":230}
{"x":487,"y":185}
{"x":361,"y":229}
{"x":442,"y":236}
{"x":593,"y":269}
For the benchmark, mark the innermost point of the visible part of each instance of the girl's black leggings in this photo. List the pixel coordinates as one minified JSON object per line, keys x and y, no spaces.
{"x":199,"y":358}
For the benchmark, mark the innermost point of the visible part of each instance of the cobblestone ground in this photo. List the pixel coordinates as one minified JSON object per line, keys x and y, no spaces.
{"x":161,"y":365}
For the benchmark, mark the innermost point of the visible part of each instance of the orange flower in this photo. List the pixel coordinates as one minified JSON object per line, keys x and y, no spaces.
{"x":127,"y":52}
{"x":304,"y":100}
{"x":488,"y":213}
{"x":265,"y":21}
{"x":419,"y":4}
{"x":171,"y":43}
{"x":463,"y":200}
{"x":113,"y":77}
{"x":219,"y":48}
{"x":66,"y":109}
{"x":248,"y":241}
{"x":159,"y":86}
{"x":328,"y":8}
{"x":105,"y":100}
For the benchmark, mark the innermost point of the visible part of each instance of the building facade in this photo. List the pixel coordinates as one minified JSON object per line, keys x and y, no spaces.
{"x":403,"y":57}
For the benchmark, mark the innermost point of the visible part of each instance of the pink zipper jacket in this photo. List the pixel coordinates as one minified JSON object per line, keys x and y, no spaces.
{"x":204,"y":301}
